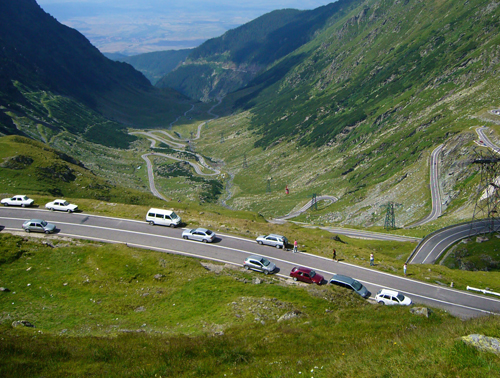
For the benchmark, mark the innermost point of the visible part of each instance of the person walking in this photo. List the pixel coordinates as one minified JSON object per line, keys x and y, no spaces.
{"x":372,"y":259}
{"x":295,"y":245}
{"x":404,"y":269}
{"x":334,"y":257}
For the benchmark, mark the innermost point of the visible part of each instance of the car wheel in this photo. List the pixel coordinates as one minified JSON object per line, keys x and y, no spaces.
{"x":47,"y":232}
{"x":51,"y":208}
{"x":6,"y":204}
{"x":381,"y":303}
{"x":257,"y":242}
{"x":23,"y":205}
{"x":205,"y":240}
{"x":246,"y":267}
{"x":151,"y":223}
{"x":69,"y":211}
{"x":278,"y":246}
{"x":27,"y":229}
{"x":266,"y":272}
{"x":172,"y":225}
{"x":185,"y":237}
{"x":295,"y":278}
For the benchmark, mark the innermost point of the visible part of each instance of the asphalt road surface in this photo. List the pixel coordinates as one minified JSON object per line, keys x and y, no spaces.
{"x":233,"y":250}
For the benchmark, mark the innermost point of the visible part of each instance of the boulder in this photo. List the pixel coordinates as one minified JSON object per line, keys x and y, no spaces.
{"x":23,"y":323}
{"x":289,"y":315}
{"x":4,"y":289}
{"x":483,"y":343}
{"x":424,"y":311}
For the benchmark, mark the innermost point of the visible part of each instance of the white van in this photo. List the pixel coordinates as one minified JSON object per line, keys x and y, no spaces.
{"x":163,"y":217}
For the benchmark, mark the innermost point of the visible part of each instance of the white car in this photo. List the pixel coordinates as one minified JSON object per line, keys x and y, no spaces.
{"x":61,"y":205}
{"x":19,"y":200}
{"x":278,"y":241}
{"x":391,"y":297}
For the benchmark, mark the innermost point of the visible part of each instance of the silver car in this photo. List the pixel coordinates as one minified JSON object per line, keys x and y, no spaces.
{"x":260,"y":264}
{"x":39,"y":225}
{"x":200,"y":234}
{"x":274,"y":240}
{"x":350,"y":283}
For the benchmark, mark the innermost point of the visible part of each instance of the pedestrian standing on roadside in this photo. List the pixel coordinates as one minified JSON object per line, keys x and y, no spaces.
{"x":295,"y":245}
{"x":404,"y":269}
{"x":334,"y":257}
{"x":372,"y":259}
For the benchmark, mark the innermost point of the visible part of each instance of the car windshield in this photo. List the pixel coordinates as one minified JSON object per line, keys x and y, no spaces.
{"x":43,"y":223}
{"x":356,"y":285}
{"x":312,"y":274}
{"x":208,"y":232}
{"x":174,"y":215}
{"x":25,"y":198}
{"x":265,"y":262}
{"x":401,"y":297}
{"x":65,"y":203}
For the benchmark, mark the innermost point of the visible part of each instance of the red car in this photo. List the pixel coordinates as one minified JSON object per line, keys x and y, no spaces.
{"x":306,"y":275}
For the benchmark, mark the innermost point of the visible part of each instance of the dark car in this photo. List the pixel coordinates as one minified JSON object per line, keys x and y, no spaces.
{"x":350,"y":283}
{"x":306,"y":275}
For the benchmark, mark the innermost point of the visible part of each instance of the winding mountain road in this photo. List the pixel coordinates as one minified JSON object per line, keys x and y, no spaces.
{"x":233,"y":250}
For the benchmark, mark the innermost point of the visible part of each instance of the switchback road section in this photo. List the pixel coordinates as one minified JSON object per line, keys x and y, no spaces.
{"x":233,"y":250}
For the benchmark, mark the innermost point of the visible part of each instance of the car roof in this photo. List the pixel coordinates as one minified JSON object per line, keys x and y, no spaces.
{"x":35,"y":220}
{"x":276,"y":235}
{"x":394,"y":293}
{"x":303,"y":269}
{"x":341,"y":278}
{"x":255,"y":257}
{"x":201,"y":229}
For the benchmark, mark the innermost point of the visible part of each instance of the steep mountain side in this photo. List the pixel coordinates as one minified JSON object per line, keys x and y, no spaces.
{"x":229,"y":62}
{"x":154,"y":65}
{"x":357,"y":111}
{"x":41,"y":54}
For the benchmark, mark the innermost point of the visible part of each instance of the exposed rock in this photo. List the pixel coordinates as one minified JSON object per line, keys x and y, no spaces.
{"x":4,"y":289}
{"x":257,"y":281}
{"x":24,"y":323}
{"x":483,"y":343}
{"x":140,"y":309}
{"x":289,"y":315}
{"x":424,"y":311}
{"x":158,"y":277}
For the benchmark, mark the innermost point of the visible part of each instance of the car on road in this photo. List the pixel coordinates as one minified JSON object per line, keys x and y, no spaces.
{"x":392,"y":297}
{"x":306,"y":275}
{"x":39,"y":225}
{"x":260,"y":264}
{"x":350,"y":283}
{"x":200,"y":234}
{"x":163,"y":217}
{"x":274,"y":240}
{"x":19,"y":200}
{"x":61,"y":205}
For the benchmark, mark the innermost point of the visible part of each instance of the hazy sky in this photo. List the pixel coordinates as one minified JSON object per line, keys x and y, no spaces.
{"x":136,"y":26}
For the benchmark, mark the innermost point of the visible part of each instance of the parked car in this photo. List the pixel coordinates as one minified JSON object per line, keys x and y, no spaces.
{"x":260,"y":264}
{"x":278,"y":241}
{"x":39,"y":225}
{"x":19,"y":200}
{"x":391,"y":297}
{"x":61,"y":205}
{"x":163,"y":217}
{"x":350,"y":283}
{"x":306,"y":275}
{"x":200,"y":234}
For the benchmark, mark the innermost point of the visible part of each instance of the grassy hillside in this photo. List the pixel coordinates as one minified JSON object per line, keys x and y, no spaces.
{"x":99,"y":310}
{"x":227,"y":63}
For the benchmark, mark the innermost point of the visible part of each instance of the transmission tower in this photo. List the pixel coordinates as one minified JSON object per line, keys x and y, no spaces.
{"x":268,"y":187}
{"x":488,"y":194}
{"x":390,"y":217}
{"x":314,"y":202}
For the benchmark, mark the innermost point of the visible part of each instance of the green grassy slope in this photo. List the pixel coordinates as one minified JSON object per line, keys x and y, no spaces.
{"x":98,"y":310}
